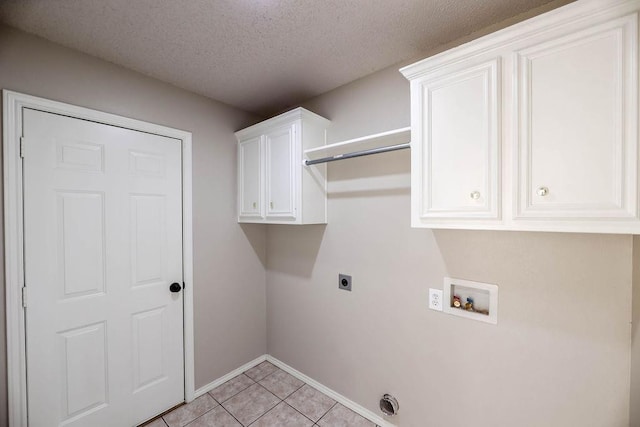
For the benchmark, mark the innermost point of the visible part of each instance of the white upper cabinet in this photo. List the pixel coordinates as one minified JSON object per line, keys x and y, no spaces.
{"x":274,"y":186}
{"x":534,"y":127}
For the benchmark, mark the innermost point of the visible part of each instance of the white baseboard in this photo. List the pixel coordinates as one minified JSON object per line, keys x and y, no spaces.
{"x":202,"y":390}
{"x":332,"y":394}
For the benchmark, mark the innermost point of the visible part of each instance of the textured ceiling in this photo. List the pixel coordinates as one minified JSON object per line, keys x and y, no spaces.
{"x":258,"y":55}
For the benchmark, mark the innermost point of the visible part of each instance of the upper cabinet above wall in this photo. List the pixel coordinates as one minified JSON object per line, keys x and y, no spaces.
{"x":534,"y":127}
{"x":273,"y":185}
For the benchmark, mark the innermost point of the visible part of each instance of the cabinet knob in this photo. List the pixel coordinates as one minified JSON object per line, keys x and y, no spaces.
{"x":542,"y":191}
{"x":271,"y":205}
{"x":475,"y":195}
{"x":254,"y":205}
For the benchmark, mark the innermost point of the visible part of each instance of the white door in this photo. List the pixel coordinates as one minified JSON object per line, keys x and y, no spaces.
{"x":280,"y":155}
{"x":577,"y":124}
{"x":250,"y":179}
{"x":458,"y":157}
{"x":103,"y":243}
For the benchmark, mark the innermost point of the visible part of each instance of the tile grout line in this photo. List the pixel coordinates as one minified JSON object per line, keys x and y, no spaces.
{"x":286,"y":397}
{"x":231,"y":397}
{"x":269,"y":391}
{"x":328,"y":410}
{"x":240,"y":391}
{"x":199,"y":416}
{"x":314,"y":423}
{"x":214,"y":399}
{"x":278,"y":397}
{"x":335,"y":402}
{"x":232,"y":416}
{"x":263,"y":415}
{"x":202,"y":415}
{"x":268,"y":410}
{"x":289,"y":395}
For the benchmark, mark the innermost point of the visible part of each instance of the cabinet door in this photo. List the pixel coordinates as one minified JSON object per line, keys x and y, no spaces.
{"x":577,"y":124}
{"x":280,"y":173}
{"x":456,"y":160}
{"x":249,"y":179}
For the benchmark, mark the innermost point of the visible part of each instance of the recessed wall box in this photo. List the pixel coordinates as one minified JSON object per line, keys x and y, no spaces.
{"x":473,"y":300}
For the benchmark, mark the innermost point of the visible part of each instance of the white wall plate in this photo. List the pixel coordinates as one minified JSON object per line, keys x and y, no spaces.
{"x":484,"y":297}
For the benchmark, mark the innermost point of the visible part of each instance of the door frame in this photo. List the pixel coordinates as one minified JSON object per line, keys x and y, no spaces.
{"x":13,"y":105}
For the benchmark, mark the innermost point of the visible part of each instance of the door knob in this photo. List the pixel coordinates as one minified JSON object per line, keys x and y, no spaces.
{"x":542,"y":191}
{"x":175,"y":287}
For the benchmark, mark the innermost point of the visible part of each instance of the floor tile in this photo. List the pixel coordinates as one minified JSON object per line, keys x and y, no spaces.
{"x":283,"y":415}
{"x":260,"y":371}
{"x":281,"y":383}
{"x":183,"y":415}
{"x":341,"y":416}
{"x":231,"y":388}
{"x":159,"y":422}
{"x":310,"y":402}
{"x":217,"y":417}
{"x":250,"y":404}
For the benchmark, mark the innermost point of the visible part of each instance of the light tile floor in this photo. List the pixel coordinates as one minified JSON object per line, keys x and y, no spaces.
{"x":263,"y":396}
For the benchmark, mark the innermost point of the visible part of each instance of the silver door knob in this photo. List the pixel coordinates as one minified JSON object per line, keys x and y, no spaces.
{"x":542,"y":191}
{"x":475,"y":195}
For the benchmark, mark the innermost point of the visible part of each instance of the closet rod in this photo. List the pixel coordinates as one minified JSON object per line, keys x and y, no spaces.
{"x":358,"y":154}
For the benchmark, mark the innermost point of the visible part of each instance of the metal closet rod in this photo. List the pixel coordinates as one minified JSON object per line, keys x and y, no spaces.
{"x":358,"y":154}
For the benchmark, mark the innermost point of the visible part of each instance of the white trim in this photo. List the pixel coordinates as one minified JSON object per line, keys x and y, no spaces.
{"x":187,"y":271}
{"x":13,"y":103}
{"x":280,"y":120}
{"x":206,"y":388}
{"x":332,"y":394}
{"x":14,"y":272}
{"x":568,"y":14}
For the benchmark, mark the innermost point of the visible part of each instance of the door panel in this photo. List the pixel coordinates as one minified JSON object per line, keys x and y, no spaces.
{"x":279,"y":145}
{"x":147,"y":237}
{"x":573,"y":116}
{"x":81,"y":156}
{"x":84,"y":361}
{"x":81,"y":244}
{"x":461,"y":148}
{"x":148,"y":366}
{"x":250,"y":179}
{"x":103,"y":242}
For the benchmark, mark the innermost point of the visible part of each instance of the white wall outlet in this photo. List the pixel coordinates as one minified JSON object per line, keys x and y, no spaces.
{"x":435,"y":299}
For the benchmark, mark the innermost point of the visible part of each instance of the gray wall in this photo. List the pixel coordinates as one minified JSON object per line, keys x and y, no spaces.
{"x":229,"y":260}
{"x":559,"y":355}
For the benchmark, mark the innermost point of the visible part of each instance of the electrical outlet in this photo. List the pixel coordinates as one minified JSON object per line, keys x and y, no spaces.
{"x":344,"y":282}
{"x":435,"y":299}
